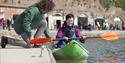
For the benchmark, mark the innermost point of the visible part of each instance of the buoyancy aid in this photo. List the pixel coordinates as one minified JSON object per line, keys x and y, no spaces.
{"x":69,"y":32}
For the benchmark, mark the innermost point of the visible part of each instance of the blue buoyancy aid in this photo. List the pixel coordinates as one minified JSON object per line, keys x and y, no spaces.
{"x":66,"y":32}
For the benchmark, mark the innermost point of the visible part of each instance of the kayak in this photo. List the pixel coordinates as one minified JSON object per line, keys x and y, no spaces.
{"x":73,"y":52}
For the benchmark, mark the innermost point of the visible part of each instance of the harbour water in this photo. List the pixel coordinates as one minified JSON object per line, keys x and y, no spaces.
{"x":103,"y":51}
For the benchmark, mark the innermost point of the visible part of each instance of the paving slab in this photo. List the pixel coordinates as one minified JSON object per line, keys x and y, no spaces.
{"x":21,"y":55}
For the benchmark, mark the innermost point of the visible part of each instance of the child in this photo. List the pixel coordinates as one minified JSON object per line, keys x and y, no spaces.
{"x":33,"y":18}
{"x":68,"y":31}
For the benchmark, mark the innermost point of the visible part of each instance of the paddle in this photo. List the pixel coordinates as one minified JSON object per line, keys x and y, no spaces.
{"x":105,"y":36}
{"x":109,"y":36}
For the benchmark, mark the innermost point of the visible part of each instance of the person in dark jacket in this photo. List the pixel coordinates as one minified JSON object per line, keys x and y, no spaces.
{"x":1,"y":23}
{"x":8,"y":24}
{"x":4,"y":24}
{"x":68,"y":30}
{"x":33,"y":18}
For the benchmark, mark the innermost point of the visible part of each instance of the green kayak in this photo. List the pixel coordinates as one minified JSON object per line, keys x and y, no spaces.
{"x":73,"y":52}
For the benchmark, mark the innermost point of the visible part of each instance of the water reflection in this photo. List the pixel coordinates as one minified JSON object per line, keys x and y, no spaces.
{"x":102,"y":51}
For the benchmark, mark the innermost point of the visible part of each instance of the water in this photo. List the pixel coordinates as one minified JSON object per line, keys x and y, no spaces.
{"x":103,"y":51}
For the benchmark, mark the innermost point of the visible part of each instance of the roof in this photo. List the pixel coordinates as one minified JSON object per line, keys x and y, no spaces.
{"x":99,"y":17}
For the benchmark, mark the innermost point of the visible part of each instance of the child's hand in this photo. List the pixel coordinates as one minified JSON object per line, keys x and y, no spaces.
{"x":82,"y":39}
{"x":66,"y":38}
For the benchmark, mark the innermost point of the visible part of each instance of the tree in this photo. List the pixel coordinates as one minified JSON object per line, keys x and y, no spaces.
{"x":118,"y":3}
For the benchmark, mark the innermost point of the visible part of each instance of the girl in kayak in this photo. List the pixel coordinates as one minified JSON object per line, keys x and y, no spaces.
{"x":68,"y":30}
{"x":33,"y":18}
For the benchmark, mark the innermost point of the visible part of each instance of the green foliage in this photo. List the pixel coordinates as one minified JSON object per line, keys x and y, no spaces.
{"x":118,"y":3}
{"x":105,"y":3}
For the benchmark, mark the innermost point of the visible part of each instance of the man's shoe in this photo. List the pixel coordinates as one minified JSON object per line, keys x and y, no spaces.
{"x":4,"y":41}
{"x":36,"y":46}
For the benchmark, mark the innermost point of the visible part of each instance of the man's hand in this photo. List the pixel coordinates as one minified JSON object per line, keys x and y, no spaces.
{"x":28,"y":42}
{"x":31,"y":38}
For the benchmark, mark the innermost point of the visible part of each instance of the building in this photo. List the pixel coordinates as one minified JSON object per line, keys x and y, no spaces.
{"x":55,"y":21}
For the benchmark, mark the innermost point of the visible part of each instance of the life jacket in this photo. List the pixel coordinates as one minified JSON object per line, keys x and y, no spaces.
{"x":66,"y":32}
{"x":70,"y":33}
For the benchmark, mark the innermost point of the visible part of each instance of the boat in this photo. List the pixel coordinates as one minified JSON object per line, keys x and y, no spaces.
{"x":73,"y":52}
